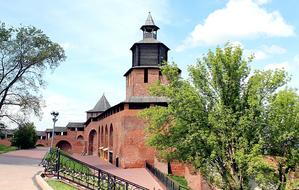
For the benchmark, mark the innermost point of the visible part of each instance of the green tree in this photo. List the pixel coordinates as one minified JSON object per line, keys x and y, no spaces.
{"x":26,"y":53}
{"x":217,"y":119}
{"x":2,"y":130}
{"x":282,"y":133}
{"x":25,"y":136}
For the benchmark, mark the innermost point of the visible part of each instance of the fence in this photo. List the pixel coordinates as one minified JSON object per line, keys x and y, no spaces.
{"x":169,"y":183}
{"x":63,"y":166}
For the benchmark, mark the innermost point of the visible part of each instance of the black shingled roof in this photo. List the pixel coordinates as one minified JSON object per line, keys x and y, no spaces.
{"x":41,"y":133}
{"x":149,"y":20}
{"x":101,"y":105}
{"x":57,"y":129}
{"x":75,"y":125}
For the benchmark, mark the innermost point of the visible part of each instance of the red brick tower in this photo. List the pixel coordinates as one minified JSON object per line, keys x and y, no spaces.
{"x":147,"y":57}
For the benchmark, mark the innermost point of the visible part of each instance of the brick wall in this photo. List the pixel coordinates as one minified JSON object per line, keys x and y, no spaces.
{"x":177,"y":168}
{"x":193,"y":177}
{"x":135,"y":81}
{"x":42,"y":142}
{"x":162,"y":166}
{"x":195,"y":180}
{"x":113,"y":122}
{"x":128,"y":139}
{"x":5,"y":142}
{"x":77,"y":146}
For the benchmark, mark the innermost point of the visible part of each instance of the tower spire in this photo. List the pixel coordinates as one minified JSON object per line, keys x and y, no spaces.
{"x":148,"y":52}
{"x":149,"y":28}
{"x":149,"y":21}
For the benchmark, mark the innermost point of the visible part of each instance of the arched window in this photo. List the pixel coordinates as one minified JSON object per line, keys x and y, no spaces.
{"x":65,"y":146}
{"x":111,"y":137}
{"x":102,"y":136}
{"x":80,"y":138}
{"x":92,"y":142}
{"x":106,"y":136}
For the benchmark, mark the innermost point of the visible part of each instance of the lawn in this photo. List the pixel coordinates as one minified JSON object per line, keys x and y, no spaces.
{"x":58,"y":185}
{"x":179,"y":179}
{"x":4,"y":149}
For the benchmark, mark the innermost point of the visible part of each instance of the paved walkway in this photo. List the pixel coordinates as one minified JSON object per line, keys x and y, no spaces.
{"x":139,"y":176}
{"x":18,"y":168}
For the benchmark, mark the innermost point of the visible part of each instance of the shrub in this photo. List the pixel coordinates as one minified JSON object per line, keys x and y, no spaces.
{"x":2,"y":135}
{"x":25,"y":136}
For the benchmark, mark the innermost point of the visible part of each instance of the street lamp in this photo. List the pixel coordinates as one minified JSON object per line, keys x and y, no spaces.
{"x":54,"y":114}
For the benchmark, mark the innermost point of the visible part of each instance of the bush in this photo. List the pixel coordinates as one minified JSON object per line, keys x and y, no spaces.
{"x":2,"y":135}
{"x":25,"y":136}
{"x":2,"y":129}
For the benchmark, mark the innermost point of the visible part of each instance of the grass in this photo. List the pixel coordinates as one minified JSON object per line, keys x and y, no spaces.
{"x":76,"y":171}
{"x":4,"y":149}
{"x":58,"y":185}
{"x":68,"y":163}
{"x":179,"y":180}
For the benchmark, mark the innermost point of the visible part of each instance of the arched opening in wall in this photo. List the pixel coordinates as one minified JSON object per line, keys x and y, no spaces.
{"x":111,"y":137}
{"x":102,"y":136}
{"x":106,"y":137}
{"x":80,"y":138}
{"x":105,"y":153}
{"x":39,"y":145}
{"x":65,"y":146}
{"x":92,"y":142}
{"x":111,"y":144}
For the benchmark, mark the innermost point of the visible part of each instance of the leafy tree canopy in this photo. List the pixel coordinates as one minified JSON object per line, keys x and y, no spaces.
{"x":2,"y":130}
{"x":25,"y":136}
{"x":25,"y":54}
{"x":225,"y":122}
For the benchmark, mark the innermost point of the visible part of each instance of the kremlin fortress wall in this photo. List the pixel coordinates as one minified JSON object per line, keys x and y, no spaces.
{"x":115,"y":133}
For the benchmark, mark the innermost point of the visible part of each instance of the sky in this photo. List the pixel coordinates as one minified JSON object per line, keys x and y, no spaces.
{"x":97,"y":35}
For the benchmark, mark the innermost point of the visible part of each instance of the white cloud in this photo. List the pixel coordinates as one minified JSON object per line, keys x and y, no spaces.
{"x":259,"y":55}
{"x":274,"y":49}
{"x":267,"y":51}
{"x":69,"y":110}
{"x":284,"y":65}
{"x":238,"y":43}
{"x":239,"y":19}
{"x":107,"y":27}
{"x":97,"y":36}
{"x":262,"y":2}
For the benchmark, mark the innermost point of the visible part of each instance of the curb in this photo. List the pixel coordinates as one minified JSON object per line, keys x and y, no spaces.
{"x":41,"y":183}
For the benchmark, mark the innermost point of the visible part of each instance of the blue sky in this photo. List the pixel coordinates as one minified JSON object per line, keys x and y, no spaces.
{"x":97,"y":36}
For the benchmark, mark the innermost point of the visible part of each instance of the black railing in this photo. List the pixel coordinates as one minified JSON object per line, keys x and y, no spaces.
{"x":168,"y":182}
{"x":63,"y":166}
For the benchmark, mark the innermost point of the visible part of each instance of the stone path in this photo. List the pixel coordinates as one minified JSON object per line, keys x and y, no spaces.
{"x":18,"y":168}
{"x":139,"y":176}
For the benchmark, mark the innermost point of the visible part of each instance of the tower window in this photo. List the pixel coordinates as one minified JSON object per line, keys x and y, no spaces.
{"x":145,"y":76}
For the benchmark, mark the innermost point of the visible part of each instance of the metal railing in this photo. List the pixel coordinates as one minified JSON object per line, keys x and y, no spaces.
{"x":63,"y":166}
{"x":168,"y":182}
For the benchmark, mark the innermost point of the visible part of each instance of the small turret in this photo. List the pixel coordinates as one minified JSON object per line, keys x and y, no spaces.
{"x":149,"y":51}
{"x":99,"y":108}
{"x":149,"y":28}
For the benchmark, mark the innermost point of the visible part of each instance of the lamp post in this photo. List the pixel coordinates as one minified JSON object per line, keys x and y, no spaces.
{"x":54,"y":114}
